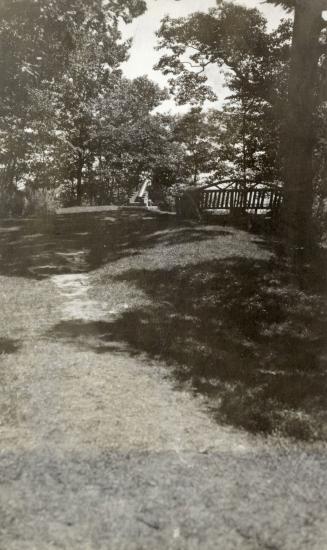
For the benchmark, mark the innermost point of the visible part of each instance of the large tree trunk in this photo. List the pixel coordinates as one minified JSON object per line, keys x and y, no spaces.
{"x":300,"y":132}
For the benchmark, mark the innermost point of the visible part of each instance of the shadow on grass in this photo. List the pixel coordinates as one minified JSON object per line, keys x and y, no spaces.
{"x":239,"y":331}
{"x":8,"y":346}
{"x":38,"y":248}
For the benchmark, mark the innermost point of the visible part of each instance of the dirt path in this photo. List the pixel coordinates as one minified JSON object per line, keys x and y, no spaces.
{"x":100,"y":451}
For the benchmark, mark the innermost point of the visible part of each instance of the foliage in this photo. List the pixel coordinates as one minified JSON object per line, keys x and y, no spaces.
{"x":62,"y":95}
{"x":255,"y":63}
{"x":195,"y":133}
{"x":228,"y":35}
{"x":291,"y":4}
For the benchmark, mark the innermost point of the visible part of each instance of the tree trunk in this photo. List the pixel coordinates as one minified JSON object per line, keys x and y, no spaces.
{"x":195,"y":174}
{"x":244,"y":155}
{"x":300,"y":133}
{"x":80,"y":164}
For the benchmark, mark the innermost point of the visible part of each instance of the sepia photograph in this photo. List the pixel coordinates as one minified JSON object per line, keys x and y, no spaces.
{"x":163,"y":274}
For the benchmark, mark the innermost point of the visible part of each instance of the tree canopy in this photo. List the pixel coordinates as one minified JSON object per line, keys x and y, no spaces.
{"x":68,"y":117}
{"x":254,"y":63}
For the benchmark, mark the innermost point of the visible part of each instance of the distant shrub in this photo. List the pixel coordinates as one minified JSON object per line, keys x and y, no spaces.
{"x":170,"y":194}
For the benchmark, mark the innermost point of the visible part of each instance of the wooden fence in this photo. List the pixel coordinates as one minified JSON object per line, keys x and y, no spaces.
{"x":199,"y":200}
{"x":229,"y":199}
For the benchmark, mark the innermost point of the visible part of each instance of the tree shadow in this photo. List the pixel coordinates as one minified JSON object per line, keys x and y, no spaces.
{"x":237,"y":330}
{"x":38,"y":248}
{"x":9,"y":346}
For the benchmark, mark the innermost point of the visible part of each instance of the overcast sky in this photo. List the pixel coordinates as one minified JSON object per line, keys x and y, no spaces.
{"x":143,"y":54}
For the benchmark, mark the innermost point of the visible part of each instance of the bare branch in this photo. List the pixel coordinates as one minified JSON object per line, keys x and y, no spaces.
{"x":201,"y":66}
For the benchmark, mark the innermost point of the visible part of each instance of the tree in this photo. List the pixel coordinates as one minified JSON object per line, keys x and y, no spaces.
{"x":57,"y":59}
{"x":299,"y":130}
{"x":131,"y":140}
{"x":192,"y":132}
{"x":235,"y":40}
{"x":229,"y":36}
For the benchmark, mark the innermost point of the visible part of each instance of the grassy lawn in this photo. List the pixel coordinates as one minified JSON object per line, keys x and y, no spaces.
{"x":216,"y":305}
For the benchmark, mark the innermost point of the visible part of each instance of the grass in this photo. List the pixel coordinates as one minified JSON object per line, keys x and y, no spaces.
{"x":226,"y":315}
{"x":240,"y":334}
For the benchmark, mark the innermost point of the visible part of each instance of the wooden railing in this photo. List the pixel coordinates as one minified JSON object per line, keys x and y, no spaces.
{"x":199,"y":200}
{"x":232,"y":199}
